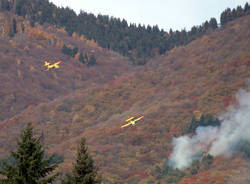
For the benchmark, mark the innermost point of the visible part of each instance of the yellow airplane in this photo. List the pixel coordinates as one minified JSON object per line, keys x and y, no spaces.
{"x":55,"y":65}
{"x":131,"y":121}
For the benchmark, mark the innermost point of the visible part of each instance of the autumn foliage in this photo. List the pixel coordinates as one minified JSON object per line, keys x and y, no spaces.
{"x":64,"y":105}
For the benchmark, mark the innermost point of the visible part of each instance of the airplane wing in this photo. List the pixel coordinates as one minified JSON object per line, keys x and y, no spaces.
{"x":129,"y":119}
{"x":125,"y":125}
{"x":56,"y":65}
{"x":139,"y":118}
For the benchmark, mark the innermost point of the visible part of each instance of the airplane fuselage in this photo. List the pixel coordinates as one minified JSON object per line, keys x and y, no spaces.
{"x":132,"y":121}
{"x":49,"y":66}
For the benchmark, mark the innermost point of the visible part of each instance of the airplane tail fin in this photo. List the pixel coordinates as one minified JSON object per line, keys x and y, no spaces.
{"x":46,"y":63}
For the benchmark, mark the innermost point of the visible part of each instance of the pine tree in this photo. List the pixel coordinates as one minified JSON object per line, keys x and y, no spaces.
{"x":66,"y":50}
{"x":81,"y":58}
{"x":74,"y":51}
{"x":246,"y":8}
{"x":226,"y":16}
{"x":4,"y":5}
{"x":239,"y":11}
{"x":84,"y":171}
{"x":32,"y":166}
{"x":14,"y":26}
{"x":213,"y":23}
{"x":92,"y":60}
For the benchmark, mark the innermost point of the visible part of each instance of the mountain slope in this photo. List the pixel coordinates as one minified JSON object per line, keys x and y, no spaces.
{"x":24,"y":80}
{"x":202,"y":76}
{"x":137,"y":42}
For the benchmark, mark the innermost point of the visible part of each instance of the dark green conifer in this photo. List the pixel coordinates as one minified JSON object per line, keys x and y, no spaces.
{"x":239,"y":11}
{"x":32,"y":167}
{"x":4,"y":5}
{"x":74,"y":51}
{"x":213,"y":23}
{"x":81,"y":58}
{"x":92,"y":60}
{"x":246,"y":8}
{"x":66,"y":50}
{"x":84,"y":171}
{"x":114,"y":33}
{"x":14,"y":26}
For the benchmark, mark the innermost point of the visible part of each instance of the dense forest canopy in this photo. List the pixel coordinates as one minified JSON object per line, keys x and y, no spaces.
{"x":137,"y":42}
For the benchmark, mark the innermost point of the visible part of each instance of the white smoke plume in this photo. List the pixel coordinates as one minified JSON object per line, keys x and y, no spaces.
{"x":223,"y":140}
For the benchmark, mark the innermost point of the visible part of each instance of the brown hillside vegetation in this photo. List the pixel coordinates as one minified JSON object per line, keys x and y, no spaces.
{"x":77,"y":101}
{"x":24,"y":81}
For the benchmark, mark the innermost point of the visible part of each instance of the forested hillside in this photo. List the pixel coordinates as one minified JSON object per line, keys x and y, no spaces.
{"x":138,"y":42}
{"x":81,"y":99}
{"x":24,"y":79}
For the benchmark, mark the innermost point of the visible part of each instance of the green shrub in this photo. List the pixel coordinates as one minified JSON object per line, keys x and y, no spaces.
{"x":205,"y":120}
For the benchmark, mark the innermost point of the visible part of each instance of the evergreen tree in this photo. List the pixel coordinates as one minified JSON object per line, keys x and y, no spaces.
{"x":32,"y":21}
{"x":205,"y":120}
{"x":22,"y":27}
{"x":112,"y":33}
{"x":193,"y":125}
{"x":14,"y":26}
{"x":4,"y":5}
{"x":81,"y":58}
{"x":69,"y":30}
{"x":92,"y":60}
{"x":13,"y":29}
{"x":246,"y":8}
{"x":74,"y":51}
{"x":84,"y":171}
{"x":193,"y":30}
{"x":66,"y":50}
{"x":205,"y":26}
{"x":226,"y":16}
{"x":239,"y":11}
{"x":207,"y":159}
{"x":21,"y":7}
{"x":213,"y":23}
{"x":32,"y":167}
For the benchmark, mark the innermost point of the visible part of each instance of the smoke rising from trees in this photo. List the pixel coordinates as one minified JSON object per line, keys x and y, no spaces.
{"x":221,"y":140}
